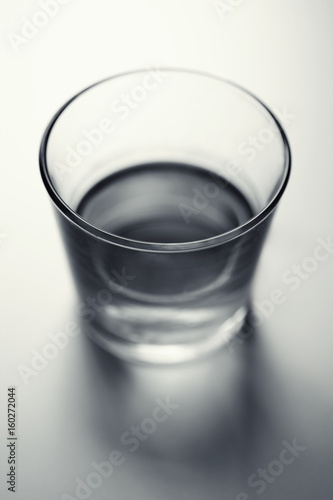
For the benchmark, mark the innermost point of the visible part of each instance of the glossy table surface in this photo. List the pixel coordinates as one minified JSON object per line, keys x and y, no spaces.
{"x":253,"y":420}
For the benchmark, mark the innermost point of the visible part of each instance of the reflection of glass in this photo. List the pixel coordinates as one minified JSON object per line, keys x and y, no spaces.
{"x":164,"y":195}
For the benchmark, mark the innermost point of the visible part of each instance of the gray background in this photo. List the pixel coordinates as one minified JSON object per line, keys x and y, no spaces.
{"x":236,"y":408}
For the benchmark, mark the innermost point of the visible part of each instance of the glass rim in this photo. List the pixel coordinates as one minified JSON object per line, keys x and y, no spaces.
{"x":83,"y":224}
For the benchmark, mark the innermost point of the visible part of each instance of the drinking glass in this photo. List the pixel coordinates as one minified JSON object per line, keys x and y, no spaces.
{"x":164,"y":182}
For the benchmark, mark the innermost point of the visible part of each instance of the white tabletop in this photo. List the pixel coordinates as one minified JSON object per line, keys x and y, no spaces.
{"x":232,"y":415}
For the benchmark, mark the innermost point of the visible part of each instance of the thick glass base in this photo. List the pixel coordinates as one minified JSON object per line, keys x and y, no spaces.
{"x":170,"y":353}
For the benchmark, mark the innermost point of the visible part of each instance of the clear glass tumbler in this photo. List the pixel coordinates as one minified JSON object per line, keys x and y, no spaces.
{"x":164,"y":182}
